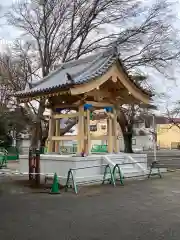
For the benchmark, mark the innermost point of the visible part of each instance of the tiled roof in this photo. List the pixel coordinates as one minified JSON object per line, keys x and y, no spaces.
{"x":75,"y":72}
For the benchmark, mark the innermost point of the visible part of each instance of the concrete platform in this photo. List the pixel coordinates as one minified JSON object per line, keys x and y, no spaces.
{"x":89,"y":168}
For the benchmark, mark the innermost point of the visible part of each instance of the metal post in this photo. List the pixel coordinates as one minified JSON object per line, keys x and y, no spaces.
{"x":154,"y":139}
{"x":37,"y":167}
{"x":30,"y":164}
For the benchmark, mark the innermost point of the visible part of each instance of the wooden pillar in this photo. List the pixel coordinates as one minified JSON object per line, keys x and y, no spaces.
{"x":110,"y":135}
{"x":51,"y":132}
{"x":61,"y":143}
{"x":81,"y":129}
{"x":87,"y":133}
{"x":115,"y":132}
{"x":57,"y":132}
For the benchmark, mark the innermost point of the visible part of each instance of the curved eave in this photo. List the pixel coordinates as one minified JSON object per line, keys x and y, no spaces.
{"x":115,"y":71}
{"x":39,"y":94}
{"x":122,"y":68}
{"x":138,"y":92}
{"x":92,"y":84}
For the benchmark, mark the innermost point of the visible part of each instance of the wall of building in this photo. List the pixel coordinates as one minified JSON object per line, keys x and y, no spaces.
{"x":168,"y":136}
{"x":143,"y":142}
{"x":23,"y":145}
{"x":139,"y":143}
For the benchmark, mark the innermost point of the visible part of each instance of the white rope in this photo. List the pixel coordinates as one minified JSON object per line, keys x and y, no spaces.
{"x":16,"y":172}
{"x":24,"y":173}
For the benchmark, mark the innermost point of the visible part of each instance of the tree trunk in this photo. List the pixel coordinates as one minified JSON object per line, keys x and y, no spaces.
{"x":36,"y":135}
{"x":126,"y":125}
{"x":37,"y":130}
{"x":128,"y":142}
{"x":127,"y":130}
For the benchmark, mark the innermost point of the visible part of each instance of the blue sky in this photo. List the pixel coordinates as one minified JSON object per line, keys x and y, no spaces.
{"x":169,"y":87}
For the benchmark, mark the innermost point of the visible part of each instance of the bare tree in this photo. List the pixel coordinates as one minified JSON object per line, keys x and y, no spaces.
{"x":13,"y":77}
{"x":59,"y":31}
{"x":130,"y":113}
{"x":173,"y":115}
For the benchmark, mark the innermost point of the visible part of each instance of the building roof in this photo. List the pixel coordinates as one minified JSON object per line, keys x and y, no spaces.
{"x":76,"y":72}
{"x":160,"y":120}
{"x":165,"y":120}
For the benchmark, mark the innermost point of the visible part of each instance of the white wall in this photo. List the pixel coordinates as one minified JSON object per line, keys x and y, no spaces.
{"x":144,"y":142}
{"x":24,"y":145}
{"x":87,"y":168}
{"x":139,"y":142}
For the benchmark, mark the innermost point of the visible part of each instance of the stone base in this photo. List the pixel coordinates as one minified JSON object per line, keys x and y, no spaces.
{"x":89,"y":168}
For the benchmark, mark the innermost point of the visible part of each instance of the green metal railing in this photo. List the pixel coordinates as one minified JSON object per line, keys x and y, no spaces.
{"x":71,"y":181}
{"x":155,"y":165}
{"x":3,"y":157}
{"x":73,"y":149}
{"x":99,"y":148}
{"x":117,"y":174}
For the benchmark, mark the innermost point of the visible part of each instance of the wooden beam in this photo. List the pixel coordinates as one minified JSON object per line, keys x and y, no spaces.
{"x":66,"y":106}
{"x":87,"y":87}
{"x":81,"y":129}
{"x":57,"y":134}
{"x":129,"y":85}
{"x":68,"y":115}
{"x":110,"y":135}
{"x":74,"y":105}
{"x":114,"y":79}
{"x":116,"y":142}
{"x":99,"y":137}
{"x":65,"y":137}
{"x":87,"y":132}
{"x":100,"y":104}
{"x":114,"y":72}
{"x":107,"y":96}
{"x":100,"y":94}
{"x":51,"y":132}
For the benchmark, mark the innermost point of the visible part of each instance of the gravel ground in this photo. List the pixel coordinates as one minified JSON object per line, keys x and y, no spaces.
{"x":144,"y":210}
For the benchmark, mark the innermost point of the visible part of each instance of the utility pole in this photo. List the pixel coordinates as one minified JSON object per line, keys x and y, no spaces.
{"x":154,"y":138}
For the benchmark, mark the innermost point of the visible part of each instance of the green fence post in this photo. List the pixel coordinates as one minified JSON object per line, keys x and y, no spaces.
{"x":70,"y":178}
{"x":154,"y":165}
{"x":111,"y":180}
{"x":4,"y":154}
{"x":5,"y":160}
{"x":115,"y":169}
